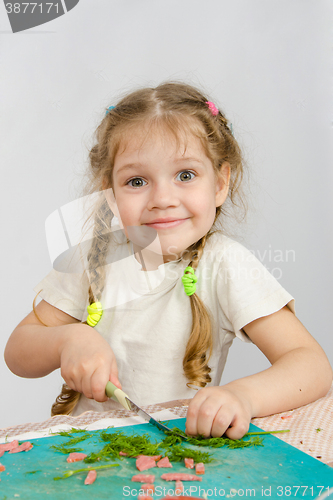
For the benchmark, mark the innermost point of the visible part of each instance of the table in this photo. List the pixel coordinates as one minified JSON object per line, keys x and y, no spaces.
{"x":311,"y":426}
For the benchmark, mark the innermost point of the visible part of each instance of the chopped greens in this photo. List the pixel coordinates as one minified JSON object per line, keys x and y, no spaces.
{"x":71,"y":432}
{"x":118,"y":441}
{"x":218,"y":442}
{"x":172,"y":446}
{"x":78,"y":439}
{"x":66,"y":447}
{"x":177,"y":453}
{"x":62,"y":448}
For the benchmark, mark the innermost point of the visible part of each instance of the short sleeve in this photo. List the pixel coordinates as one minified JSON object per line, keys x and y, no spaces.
{"x":246,"y":289}
{"x":65,"y":291}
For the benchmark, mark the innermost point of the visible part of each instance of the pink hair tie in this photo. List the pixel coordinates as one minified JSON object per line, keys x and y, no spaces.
{"x":213,"y":108}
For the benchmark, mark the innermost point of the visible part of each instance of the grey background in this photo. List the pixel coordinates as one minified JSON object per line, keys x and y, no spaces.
{"x":267,"y":63}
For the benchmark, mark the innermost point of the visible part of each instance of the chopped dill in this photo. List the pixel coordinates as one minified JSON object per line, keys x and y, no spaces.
{"x":118,"y":441}
{"x":171,"y":440}
{"x":67,"y":447}
{"x":71,"y":432}
{"x":78,"y":439}
{"x":172,"y":446}
{"x":240,"y":443}
{"x":217,"y":442}
{"x":177,"y":453}
{"x":62,"y":448}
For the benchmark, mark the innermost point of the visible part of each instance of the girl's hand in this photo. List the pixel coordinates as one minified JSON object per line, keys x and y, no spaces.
{"x":87,"y":362}
{"x":215,"y":411}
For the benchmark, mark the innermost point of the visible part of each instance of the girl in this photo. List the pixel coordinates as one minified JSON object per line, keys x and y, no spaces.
{"x":165,"y":163}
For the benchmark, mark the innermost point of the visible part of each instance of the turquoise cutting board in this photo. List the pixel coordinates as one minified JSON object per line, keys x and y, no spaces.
{"x":275,"y":470}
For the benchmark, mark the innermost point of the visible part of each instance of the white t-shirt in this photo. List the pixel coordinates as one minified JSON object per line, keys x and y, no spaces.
{"x":147,"y":315}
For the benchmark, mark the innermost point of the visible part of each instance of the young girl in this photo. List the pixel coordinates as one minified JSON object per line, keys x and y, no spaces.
{"x":165,"y":162}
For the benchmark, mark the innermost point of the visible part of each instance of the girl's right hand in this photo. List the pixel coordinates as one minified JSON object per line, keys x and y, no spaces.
{"x":87,"y":361}
{"x":48,"y":338}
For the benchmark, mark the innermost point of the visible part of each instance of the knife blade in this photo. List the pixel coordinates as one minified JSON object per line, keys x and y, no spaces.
{"x":118,"y":395}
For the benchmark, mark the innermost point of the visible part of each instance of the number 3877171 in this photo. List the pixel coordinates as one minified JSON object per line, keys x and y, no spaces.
{"x":31,"y":7}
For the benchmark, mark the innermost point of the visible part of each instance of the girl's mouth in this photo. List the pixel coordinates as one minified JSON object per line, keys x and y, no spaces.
{"x":165,"y":223}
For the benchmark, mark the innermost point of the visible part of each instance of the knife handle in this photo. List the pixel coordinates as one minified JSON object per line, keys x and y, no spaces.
{"x":117,"y":394}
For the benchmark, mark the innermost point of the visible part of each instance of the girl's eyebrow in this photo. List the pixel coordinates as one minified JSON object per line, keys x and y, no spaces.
{"x":188,"y":158}
{"x":131,"y":166}
{"x":198,"y":163}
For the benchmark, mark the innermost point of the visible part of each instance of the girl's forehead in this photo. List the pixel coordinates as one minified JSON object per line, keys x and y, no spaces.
{"x":141,"y":140}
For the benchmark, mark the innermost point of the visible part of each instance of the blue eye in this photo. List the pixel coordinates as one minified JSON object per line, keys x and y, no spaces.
{"x":185,"y":175}
{"x":136,"y":182}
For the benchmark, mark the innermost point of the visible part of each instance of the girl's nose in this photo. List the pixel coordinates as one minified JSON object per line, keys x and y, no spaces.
{"x":162,"y":195}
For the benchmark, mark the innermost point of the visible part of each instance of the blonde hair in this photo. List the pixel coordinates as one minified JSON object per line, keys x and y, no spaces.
{"x":180,"y":108}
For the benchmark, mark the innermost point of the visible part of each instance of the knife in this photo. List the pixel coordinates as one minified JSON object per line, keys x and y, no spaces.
{"x":118,"y":395}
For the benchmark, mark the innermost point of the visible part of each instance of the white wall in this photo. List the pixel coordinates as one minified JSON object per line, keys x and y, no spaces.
{"x":268,"y":65}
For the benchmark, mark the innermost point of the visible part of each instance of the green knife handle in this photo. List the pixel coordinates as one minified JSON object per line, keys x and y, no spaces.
{"x":117,"y":394}
{"x":110,"y":389}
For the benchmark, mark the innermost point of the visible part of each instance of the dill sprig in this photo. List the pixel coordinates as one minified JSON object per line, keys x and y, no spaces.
{"x":70,"y":473}
{"x":62,"y":448}
{"x":78,"y":439}
{"x":217,"y":442}
{"x":177,"y":453}
{"x":118,"y":441}
{"x":71,"y":432}
{"x":240,"y":443}
{"x":67,"y":446}
{"x":132,"y":445}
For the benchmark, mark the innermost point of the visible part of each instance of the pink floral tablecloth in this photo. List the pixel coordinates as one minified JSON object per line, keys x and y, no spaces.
{"x":310,"y":427}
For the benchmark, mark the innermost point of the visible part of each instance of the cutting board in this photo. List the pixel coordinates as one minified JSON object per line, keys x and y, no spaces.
{"x":275,"y":470}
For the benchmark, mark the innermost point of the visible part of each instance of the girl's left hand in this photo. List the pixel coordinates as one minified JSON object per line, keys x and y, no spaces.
{"x":215,"y":411}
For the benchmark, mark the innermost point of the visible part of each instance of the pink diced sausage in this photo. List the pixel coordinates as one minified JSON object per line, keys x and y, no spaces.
{"x":164,"y":462}
{"x":9,"y":446}
{"x":144,"y":462}
{"x":189,"y":463}
{"x":144,"y":478}
{"x":91,"y":477}
{"x":76,"y":457}
{"x":200,"y":468}
{"x":179,"y":488}
{"x":26,"y":446}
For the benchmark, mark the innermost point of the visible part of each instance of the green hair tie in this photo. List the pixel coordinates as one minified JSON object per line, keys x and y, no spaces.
{"x":95,"y":312}
{"x":189,"y":281}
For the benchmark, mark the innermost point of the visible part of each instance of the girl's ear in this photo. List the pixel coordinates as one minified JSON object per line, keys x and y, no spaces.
{"x":111,"y":201}
{"x":222,"y":184}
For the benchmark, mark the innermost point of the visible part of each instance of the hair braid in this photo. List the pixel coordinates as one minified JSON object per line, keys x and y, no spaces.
{"x":68,"y":398}
{"x":200,"y":343}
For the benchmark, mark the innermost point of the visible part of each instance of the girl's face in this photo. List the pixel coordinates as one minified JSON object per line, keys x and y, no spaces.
{"x":170,"y":187}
